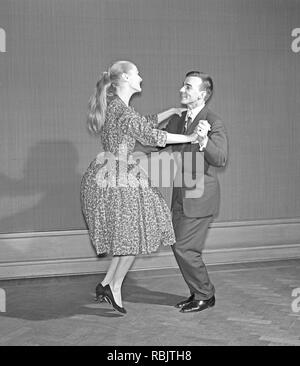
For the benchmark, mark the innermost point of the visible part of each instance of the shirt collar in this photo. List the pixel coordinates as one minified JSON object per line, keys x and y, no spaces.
{"x":193,"y":112}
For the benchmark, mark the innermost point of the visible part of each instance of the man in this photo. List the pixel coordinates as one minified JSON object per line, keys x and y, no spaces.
{"x":192,"y":214}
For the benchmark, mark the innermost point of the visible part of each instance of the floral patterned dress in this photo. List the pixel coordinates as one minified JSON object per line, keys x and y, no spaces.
{"x":124,"y":214}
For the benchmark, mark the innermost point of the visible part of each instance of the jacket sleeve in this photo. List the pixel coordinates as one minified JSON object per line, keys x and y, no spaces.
{"x":216,"y":151}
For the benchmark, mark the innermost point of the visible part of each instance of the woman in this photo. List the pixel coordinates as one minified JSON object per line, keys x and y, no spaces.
{"x":124,"y":219}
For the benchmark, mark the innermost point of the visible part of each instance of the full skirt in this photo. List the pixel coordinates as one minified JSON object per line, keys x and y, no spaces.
{"x":124,"y":220}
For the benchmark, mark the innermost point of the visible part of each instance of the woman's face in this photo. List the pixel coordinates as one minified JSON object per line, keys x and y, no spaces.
{"x":134,"y":79}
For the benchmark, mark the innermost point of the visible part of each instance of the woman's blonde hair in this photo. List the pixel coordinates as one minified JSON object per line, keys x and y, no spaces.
{"x":105,"y":88}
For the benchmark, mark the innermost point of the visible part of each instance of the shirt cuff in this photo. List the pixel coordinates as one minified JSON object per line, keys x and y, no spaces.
{"x":203,"y":144}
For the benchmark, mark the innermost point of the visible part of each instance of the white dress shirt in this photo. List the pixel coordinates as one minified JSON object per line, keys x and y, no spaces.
{"x":192,"y":113}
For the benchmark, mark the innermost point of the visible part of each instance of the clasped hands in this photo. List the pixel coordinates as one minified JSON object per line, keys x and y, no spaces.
{"x":200,"y":132}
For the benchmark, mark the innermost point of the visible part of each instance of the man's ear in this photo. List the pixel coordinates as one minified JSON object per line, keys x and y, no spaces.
{"x":203,"y":94}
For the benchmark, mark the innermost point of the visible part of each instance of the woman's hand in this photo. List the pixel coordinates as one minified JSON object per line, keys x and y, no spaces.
{"x":170,"y":112}
{"x":179,"y":111}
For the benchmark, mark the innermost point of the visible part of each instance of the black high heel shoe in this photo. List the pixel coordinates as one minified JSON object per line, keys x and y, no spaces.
{"x":99,"y":293}
{"x":109,"y":297}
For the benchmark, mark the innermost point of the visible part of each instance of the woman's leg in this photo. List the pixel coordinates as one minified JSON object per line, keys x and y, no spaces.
{"x":111,"y":271}
{"x":123,"y":266}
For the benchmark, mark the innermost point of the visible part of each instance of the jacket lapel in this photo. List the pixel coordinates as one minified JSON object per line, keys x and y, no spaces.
{"x":201,"y":115}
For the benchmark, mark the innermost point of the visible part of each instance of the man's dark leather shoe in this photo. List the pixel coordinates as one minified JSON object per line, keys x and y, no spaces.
{"x":198,"y":305}
{"x":185,"y":302}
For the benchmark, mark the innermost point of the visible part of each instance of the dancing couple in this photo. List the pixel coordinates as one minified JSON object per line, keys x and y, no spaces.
{"x":125,"y":220}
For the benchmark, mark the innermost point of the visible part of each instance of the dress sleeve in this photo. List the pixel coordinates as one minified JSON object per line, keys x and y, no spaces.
{"x":152,"y":120}
{"x":142,"y":129}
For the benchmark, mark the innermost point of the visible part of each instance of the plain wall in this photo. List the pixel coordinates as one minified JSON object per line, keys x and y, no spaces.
{"x":55,"y":52}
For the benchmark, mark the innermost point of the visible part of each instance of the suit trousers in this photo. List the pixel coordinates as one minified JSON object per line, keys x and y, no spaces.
{"x":190,"y":238}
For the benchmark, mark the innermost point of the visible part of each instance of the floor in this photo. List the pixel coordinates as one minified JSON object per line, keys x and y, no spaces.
{"x":256,"y":304}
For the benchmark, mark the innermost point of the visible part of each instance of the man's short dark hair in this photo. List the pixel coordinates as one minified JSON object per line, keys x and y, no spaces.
{"x":207,"y":83}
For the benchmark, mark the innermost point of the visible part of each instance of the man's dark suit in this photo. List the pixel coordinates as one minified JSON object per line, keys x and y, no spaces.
{"x":192,"y":216}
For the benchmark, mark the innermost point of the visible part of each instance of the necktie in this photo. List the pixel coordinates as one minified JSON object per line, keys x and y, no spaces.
{"x":188,"y":121}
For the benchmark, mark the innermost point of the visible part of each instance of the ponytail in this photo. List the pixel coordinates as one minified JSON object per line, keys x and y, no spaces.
{"x":98,"y":103}
{"x":106,"y":87}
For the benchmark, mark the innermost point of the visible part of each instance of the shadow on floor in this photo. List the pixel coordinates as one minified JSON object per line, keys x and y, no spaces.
{"x":72,"y":298}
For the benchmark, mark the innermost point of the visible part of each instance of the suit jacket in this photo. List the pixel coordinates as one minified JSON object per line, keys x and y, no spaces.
{"x":215,"y":155}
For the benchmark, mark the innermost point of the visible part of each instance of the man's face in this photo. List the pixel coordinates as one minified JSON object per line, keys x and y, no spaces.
{"x":191,"y":93}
